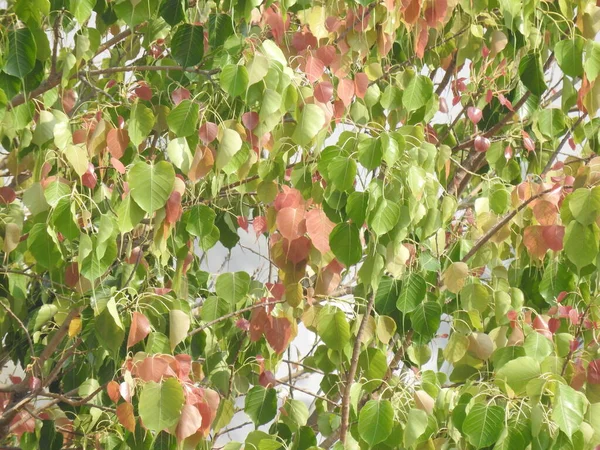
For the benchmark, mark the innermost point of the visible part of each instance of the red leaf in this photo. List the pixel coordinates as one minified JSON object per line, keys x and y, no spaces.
{"x":267,"y":379}
{"x":242,"y":223}
{"x":314,"y":68}
{"x":117,"y":141}
{"x":276,"y":290}
{"x":250,"y":120}
{"x":304,"y":39}
{"x":553,"y":325}
{"x":112,"y":388}
{"x":243,"y":324}
{"x":541,"y":326}
{"x":323,"y":91}
{"x":202,"y":164}
{"x":7,"y":195}
{"x":345,"y":91}
{"x":125,"y":416}
{"x":189,"y":423}
{"x":140,"y":329}
{"x":436,"y":12}
{"x":144,"y":92}
{"x":173,"y":209}
{"x":545,"y":212}
{"x":278,"y":333}
{"x":297,"y":250}
{"x":593,"y":372}
{"x":505,"y":102}
{"x":290,"y":197}
{"x":421,"y":40}
{"x":180,"y":94}
{"x":319,"y":227}
{"x":554,"y":236}
{"x":208,"y":132}
{"x":326,"y":54}
{"x":259,"y":223}
{"x":259,"y":320}
{"x":411,"y":13}
{"x":291,"y":223}
{"x":89,"y":179}
{"x":26,"y":421}
{"x":72,"y":274}
{"x":275,"y":21}
{"x":539,"y":239}
{"x":361,"y":83}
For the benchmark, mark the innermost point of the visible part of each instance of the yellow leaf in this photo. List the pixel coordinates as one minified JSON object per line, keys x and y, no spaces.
{"x":75,"y":326}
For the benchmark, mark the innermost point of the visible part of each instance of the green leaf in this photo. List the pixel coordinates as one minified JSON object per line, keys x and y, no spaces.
{"x":187,"y":45}
{"x":592,"y":60}
{"x":538,"y":346}
{"x":342,"y":172}
{"x":230,"y":144}
{"x":518,"y":372}
{"x":261,"y":404}
{"x":357,"y":206}
{"x":568,"y":409}
{"x":20,"y":58}
{"x":387,"y":295}
{"x":179,"y":325}
{"x":234,"y":79}
{"x":296,"y":412}
{"x":373,"y":364}
{"x":173,"y":11}
{"x":82,"y":9}
{"x":415,"y":426}
{"x":213,"y":308}
{"x":199,"y":220}
{"x":375,"y":421}
{"x":312,"y":120}
{"x":344,"y":241}
{"x":532,"y":75}
{"x":129,"y":214}
{"x":334,"y":329}
{"x":370,"y":152}
{"x":232,"y":287}
{"x":483,"y":425}
{"x":140,"y":124}
{"x":43,"y":248}
{"x":417,"y":93}
{"x":414,"y":290}
{"x":151,"y":184}
{"x":43,"y":315}
{"x":63,"y":219}
{"x":182,"y":120}
{"x":160,"y":404}
{"x":581,"y":243}
{"x":584,"y":204}
{"x":551,"y":122}
{"x":426,"y":319}
{"x":569,"y":55}
{"x":134,"y":12}
{"x":99,"y":260}
{"x":220,"y":27}
{"x":384,"y":217}
{"x":109,"y":328}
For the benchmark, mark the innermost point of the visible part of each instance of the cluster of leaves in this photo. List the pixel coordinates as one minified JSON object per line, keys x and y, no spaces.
{"x":406,"y":162}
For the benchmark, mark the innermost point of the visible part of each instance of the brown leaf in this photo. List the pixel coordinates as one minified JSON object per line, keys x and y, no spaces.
{"x":125,"y":416}
{"x":202,"y":163}
{"x":117,"y":141}
{"x":112,"y":389}
{"x":140,"y":329}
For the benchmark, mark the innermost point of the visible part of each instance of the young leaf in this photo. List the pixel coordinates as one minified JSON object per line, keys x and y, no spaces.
{"x":160,"y":404}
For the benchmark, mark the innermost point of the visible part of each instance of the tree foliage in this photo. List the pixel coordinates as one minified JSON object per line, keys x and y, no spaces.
{"x":423,"y":171}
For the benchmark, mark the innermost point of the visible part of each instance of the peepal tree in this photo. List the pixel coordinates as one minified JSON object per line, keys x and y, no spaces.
{"x":424,"y":174}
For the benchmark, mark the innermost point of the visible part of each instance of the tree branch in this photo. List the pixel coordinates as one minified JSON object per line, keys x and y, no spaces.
{"x":352,"y":371}
{"x":562,"y":144}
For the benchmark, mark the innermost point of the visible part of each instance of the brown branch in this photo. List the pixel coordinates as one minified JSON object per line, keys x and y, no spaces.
{"x":232,"y":314}
{"x":307,"y":392}
{"x":352,"y":371}
{"x":22,"y":325}
{"x":147,"y":68}
{"x":114,"y":40}
{"x":507,"y":218}
{"x":447,"y":76}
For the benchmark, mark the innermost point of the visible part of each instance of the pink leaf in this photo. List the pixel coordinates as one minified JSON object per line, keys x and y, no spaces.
{"x":361,"y":83}
{"x":154,"y":368}
{"x":140,"y":329}
{"x":89,"y":179}
{"x":118,"y":165}
{"x":323,"y":91}
{"x":304,"y":39}
{"x":144,"y":92}
{"x":180,"y":94}
{"x":291,"y":223}
{"x":275,"y":21}
{"x":208,"y":132}
{"x":173,"y":209}
{"x":319,"y":227}
{"x":243,"y":324}
{"x":125,"y":391}
{"x":326,"y":54}
{"x":117,"y":141}
{"x":125,"y":415}
{"x":411,"y":13}
{"x":259,"y":223}
{"x":421,"y":40}
{"x":267,"y":379}
{"x":314,"y":68}
{"x":290,"y":197}
{"x":189,"y":423}
{"x":242,"y":223}
{"x":345,"y":91}
{"x":250,"y":120}
{"x":278,"y":333}
{"x":297,"y":250}
{"x":593,"y":372}
{"x":505,"y":102}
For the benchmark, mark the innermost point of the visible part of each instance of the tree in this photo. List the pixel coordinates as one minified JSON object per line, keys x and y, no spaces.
{"x":408,"y":164}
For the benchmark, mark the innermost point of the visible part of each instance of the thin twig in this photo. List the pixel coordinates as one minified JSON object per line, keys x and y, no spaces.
{"x":562,"y":144}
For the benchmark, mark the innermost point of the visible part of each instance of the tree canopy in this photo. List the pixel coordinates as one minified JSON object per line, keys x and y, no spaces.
{"x":425,"y":174}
